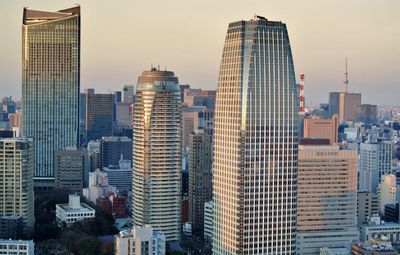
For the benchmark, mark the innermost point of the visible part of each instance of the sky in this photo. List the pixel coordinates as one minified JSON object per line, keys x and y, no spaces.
{"x":120,"y":39}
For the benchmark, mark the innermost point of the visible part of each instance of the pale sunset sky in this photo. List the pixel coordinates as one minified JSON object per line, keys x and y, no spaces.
{"x":122,"y":38}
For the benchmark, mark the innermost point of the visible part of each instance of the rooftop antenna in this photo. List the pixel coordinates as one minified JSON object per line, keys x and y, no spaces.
{"x":346,"y":79}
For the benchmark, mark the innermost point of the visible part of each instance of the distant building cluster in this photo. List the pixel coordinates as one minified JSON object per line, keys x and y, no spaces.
{"x":247,"y":168}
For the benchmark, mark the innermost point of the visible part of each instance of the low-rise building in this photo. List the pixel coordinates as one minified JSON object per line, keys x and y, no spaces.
{"x":73,"y":211}
{"x":17,"y":247}
{"x":374,"y":247}
{"x":376,"y":228}
{"x":140,"y":241}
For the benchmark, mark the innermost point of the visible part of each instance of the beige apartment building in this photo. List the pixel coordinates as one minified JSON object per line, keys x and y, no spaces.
{"x":16,"y":180}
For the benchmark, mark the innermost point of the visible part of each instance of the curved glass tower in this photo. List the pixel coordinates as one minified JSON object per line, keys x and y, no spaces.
{"x":157,"y":153}
{"x":255,"y":142}
{"x":50,"y":85}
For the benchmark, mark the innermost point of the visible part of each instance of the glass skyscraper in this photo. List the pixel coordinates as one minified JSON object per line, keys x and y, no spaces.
{"x":50,"y":85}
{"x":255,"y":142}
{"x":157,"y":127}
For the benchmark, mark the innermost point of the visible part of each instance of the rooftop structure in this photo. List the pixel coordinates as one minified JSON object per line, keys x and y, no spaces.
{"x":73,"y":211}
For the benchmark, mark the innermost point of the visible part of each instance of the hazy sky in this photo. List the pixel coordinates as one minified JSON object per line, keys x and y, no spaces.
{"x":122,"y":38}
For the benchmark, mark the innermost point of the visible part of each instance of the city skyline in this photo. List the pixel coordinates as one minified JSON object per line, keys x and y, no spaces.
{"x":342,"y":30}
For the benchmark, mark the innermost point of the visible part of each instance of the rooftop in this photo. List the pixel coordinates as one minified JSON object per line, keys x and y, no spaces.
{"x":37,"y":16}
{"x":83,"y":208}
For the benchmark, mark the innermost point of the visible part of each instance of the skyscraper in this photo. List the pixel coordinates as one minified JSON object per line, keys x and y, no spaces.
{"x":50,"y":85}
{"x":347,"y":106}
{"x":157,"y":153}
{"x":200,"y":178}
{"x":255,"y":142}
{"x":98,"y":115}
{"x":16,"y":180}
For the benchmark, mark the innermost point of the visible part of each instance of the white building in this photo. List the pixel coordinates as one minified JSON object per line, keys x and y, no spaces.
{"x":386,"y":191}
{"x":140,"y":241}
{"x":208,"y":220}
{"x":375,"y":228}
{"x":17,"y":247}
{"x":375,"y":161}
{"x":73,"y":211}
{"x":157,"y":153}
{"x":98,"y":186}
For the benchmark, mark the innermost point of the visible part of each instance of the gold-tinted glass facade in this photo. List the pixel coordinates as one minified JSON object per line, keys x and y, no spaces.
{"x":50,"y":84}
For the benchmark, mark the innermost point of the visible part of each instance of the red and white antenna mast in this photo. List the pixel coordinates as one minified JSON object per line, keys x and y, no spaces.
{"x":301,"y":108}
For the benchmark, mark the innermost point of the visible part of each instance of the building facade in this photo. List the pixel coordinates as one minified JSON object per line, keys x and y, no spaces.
{"x":347,"y":106}
{"x":200,"y":178}
{"x":326,"y":198}
{"x":140,"y":241}
{"x":255,"y":142}
{"x":367,"y":206}
{"x":16,"y":180}
{"x":120,"y":176}
{"x":71,"y":169}
{"x":386,"y":191}
{"x":366,"y":113}
{"x":322,"y":128}
{"x":157,"y":153}
{"x":112,"y":148}
{"x":50,"y":85}
{"x":375,"y":161}
{"x":98,"y":115}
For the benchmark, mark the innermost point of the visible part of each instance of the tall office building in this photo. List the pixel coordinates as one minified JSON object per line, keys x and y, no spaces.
{"x":198,"y":97}
{"x":366,"y":113}
{"x":322,"y":128}
{"x":200,"y":178}
{"x":344,"y":104}
{"x":334,"y":102}
{"x":50,"y":85}
{"x":347,"y":106}
{"x":255,"y":142}
{"x":326,"y":198}
{"x":98,"y":115}
{"x":157,"y":153}
{"x":375,"y":161}
{"x":16,"y":180}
